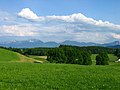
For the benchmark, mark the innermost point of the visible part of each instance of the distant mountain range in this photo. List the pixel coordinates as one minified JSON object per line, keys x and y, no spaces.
{"x":38,"y":43}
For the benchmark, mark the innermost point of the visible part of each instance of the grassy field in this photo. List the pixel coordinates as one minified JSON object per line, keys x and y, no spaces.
{"x":31,"y":76}
{"x":21,"y":74}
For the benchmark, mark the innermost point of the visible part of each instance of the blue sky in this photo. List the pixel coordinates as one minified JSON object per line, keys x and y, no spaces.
{"x":58,"y":20}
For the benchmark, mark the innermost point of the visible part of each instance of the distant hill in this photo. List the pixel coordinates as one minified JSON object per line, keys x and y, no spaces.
{"x":116,"y":46}
{"x":38,"y":43}
{"x":29,"y":44}
{"x":23,"y":44}
{"x":75,"y":43}
{"x":115,"y":43}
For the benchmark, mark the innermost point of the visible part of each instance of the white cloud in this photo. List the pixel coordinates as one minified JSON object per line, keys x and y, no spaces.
{"x":91,"y":37}
{"x":116,"y":36}
{"x":17,"y":30}
{"x":80,"y":18}
{"x":28,"y":14}
{"x":74,"y":18}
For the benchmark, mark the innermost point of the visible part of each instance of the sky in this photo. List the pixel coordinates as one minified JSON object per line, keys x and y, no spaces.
{"x":95,"y":21}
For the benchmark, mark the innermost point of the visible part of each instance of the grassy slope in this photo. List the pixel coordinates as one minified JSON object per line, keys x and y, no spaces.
{"x":40,"y":58}
{"x":6,"y":55}
{"x":30,"y":76}
{"x":9,"y":56}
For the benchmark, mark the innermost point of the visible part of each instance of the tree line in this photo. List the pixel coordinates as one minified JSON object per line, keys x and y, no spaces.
{"x":69,"y":55}
{"x":43,"y":51}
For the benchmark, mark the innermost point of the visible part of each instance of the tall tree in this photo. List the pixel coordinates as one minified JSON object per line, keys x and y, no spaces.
{"x":102,"y":59}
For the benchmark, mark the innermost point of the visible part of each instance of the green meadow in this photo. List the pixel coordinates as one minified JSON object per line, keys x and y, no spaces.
{"x":31,"y":76}
{"x":18,"y":72}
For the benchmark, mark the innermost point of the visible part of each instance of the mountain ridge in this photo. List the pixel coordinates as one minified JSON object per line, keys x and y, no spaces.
{"x":31,"y":43}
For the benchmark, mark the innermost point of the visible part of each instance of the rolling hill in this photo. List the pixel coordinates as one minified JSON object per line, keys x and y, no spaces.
{"x":10,"y":56}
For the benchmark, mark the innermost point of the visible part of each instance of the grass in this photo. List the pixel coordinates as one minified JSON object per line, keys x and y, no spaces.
{"x":6,"y":55}
{"x":10,"y":56}
{"x":39,"y":58}
{"x":31,"y":76}
{"x":112,"y":57}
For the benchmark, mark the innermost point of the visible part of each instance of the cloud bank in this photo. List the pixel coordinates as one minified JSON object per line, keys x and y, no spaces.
{"x":74,"y":18}
{"x":17,"y":30}
{"x":77,"y":27}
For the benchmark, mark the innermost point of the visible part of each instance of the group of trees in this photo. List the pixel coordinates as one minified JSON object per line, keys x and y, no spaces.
{"x":30,"y":51}
{"x":69,"y":55}
{"x":97,"y":49}
{"x":117,"y":53}
{"x":102,"y":59}
{"x":73,"y":55}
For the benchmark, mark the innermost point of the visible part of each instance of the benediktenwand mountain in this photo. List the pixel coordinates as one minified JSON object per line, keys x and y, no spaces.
{"x":38,"y":43}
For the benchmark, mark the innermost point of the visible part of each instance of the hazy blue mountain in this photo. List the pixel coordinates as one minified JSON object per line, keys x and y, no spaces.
{"x":29,"y":44}
{"x":75,"y":43}
{"x":51,"y":44}
{"x":38,"y":43}
{"x":115,"y":43}
{"x":24,"y":44}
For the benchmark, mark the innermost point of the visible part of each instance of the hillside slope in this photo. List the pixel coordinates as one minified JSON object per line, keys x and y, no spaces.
{"x":10,"y":56}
